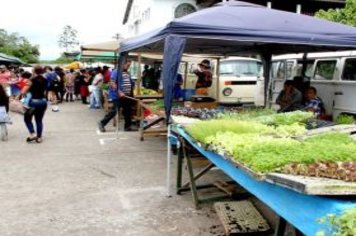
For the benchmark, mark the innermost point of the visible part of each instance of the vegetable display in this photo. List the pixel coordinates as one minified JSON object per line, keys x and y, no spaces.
{"x":342,"y":225}
{"x":272,"y":143}
{"x":345,"y":119}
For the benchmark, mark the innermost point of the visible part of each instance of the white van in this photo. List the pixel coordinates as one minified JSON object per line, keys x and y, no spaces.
{"x":332,"y":74}
{"x":241,"y":81}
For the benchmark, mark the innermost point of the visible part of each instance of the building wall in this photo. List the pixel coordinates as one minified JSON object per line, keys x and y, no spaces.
{"x":147,"y":15}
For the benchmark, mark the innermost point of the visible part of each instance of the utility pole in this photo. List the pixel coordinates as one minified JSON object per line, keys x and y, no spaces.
{"x":117,"y":36}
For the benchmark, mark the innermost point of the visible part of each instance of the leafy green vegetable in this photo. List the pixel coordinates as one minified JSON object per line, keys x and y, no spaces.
{"x":265,"y":143}
{"x":344,"y":119}
{"x":288,"y":118}
{"x":342,"y":225}
{"x":204,"y":129}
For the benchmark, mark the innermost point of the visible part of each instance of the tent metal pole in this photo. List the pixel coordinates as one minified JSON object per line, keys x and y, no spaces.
{"x":266,"y":62}
{"x":217,"y":79}
{"x":185,"y":75}
{"x":169,"y":163}
{"x":138,"y":87}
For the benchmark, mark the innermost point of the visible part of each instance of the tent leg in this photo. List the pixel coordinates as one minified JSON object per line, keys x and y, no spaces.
{"x":169,"y":163}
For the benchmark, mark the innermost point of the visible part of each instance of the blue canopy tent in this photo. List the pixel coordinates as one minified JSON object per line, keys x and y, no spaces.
{"x":234,"y":28}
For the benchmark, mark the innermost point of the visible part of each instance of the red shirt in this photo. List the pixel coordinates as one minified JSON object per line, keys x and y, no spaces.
{"x":107,"y":75}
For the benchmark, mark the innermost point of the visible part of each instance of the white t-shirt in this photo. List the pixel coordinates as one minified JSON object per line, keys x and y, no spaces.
{"x":98,"y":80}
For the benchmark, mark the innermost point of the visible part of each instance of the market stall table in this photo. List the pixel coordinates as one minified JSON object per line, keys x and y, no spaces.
{"x":147,"y":129}
{"x":300,"y":210}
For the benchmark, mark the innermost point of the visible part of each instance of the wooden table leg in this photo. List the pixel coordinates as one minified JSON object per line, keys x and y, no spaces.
{"x":193,"y":187}
{"x":281,"y":227}
{"x":179,"y":168}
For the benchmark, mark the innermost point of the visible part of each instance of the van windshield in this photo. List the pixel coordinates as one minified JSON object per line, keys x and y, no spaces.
{"x":240,"y":68}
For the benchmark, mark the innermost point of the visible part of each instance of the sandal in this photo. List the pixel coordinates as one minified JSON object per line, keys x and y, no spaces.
{"x":38,"y":140}
{"x":31,"y":139}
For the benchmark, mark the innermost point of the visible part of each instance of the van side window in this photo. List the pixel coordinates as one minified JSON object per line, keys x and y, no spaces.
{"x":309,"y":68}
{"x":274,"y":69}
{"x":279,"y":71}
{"x":289,"y":69}
{"x":349,"y":72}
{"x":325,"y":70}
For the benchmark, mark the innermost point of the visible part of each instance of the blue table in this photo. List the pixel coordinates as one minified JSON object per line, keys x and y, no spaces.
{"x":300,"y":210}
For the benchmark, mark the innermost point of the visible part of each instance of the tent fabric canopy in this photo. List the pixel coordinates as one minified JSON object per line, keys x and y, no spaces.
{"x":104,"y":50}
{"x":112,"y":46}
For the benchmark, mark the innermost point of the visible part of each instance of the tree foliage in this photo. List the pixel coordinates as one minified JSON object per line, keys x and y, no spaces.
{"x":345,"y":15}
{"x":68,"y":39}
{"x":18,"y":46}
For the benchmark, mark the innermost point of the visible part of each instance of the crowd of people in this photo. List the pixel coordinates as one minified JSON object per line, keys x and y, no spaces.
{"x":45,"y":86}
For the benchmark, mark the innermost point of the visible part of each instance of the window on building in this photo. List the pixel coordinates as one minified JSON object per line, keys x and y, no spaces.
{"x":183,"y":10}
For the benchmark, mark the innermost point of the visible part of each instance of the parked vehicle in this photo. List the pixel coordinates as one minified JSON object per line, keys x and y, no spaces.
{"x":333,"y":74}
{"x":241,"y":81}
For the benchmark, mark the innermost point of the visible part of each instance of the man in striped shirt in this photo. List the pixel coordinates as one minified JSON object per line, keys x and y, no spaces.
{"x":118,"y":91}
{"x":126,"y":86}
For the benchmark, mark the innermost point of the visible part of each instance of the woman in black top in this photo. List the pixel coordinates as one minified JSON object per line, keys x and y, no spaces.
{"x":4,"y":99}
{"x":37,"y":87}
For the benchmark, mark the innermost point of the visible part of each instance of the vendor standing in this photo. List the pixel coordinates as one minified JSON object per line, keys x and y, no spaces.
{"x":205,"y":78}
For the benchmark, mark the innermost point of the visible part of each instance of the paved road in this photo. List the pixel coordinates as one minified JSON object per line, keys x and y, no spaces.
{"x":78,"y":182}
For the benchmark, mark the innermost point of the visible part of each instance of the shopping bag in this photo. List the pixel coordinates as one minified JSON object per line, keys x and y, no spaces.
{"x":16,"y":106}
{"x":4,"y":117}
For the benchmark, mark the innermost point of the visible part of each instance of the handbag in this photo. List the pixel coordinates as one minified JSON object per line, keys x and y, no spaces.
{"x":16,"y":106}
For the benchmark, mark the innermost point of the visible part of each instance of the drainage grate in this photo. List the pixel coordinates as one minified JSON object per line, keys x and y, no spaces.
{"x":240,"y":217}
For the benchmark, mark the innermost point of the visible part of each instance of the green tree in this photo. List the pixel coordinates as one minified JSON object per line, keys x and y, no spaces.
{"x":15,"y":45}
{"x":345,"y":15}
{"x":68,"y":39}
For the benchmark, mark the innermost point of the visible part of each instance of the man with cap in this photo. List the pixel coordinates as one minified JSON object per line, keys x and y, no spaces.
{"x":205,"y":77}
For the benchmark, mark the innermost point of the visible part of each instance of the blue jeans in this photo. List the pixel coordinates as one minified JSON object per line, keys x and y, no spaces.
{"x":40,"y":106}
{"x":95,"y":98}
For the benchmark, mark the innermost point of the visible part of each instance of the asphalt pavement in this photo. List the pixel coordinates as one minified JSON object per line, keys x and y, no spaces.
{"x":83,"y":182}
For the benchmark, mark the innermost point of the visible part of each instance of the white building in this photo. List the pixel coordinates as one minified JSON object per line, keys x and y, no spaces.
{"x":145,"y":15}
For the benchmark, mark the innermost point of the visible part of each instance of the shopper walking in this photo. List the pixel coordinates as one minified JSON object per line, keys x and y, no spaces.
{"x":95,"y":97}
{"x":4,"y":117}
{"x":119,"y":90}
{"x":37,"y":87}
{"x":69,"y":85}
{"x":83,"y":78}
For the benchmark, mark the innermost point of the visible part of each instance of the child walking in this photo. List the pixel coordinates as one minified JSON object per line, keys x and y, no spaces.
{"x":28,"y":96}
{"x":4,"y":117}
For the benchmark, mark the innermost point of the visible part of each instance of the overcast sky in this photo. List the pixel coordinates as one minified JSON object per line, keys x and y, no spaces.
{"x":41,"y":22}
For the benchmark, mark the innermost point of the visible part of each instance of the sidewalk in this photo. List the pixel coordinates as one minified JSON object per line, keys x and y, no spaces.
{"x":80,"y":182}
